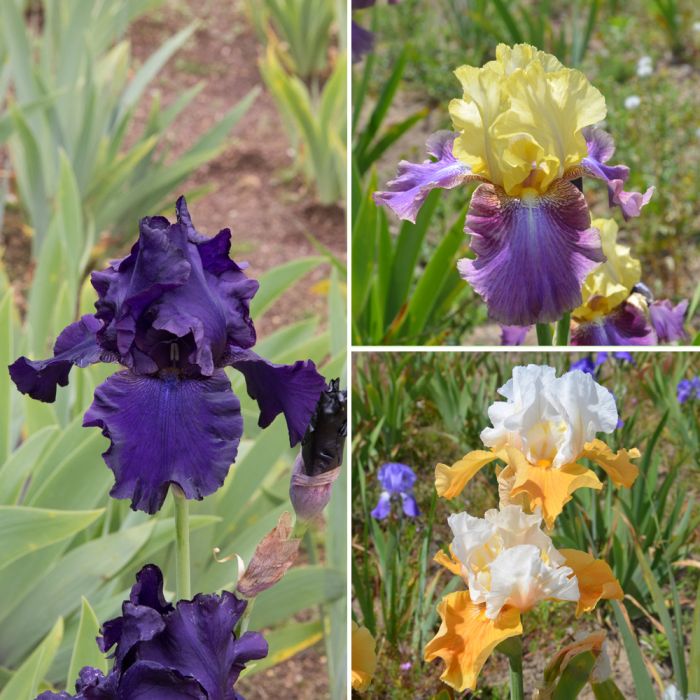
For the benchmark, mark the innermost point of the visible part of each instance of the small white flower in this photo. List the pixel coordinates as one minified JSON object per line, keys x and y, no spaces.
{"x":632,"y":102}
{"x":696,"y":26}
{"x":645,"y":66}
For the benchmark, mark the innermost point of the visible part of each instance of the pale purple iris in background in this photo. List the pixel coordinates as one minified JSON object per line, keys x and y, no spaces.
{"x":589,"y":365}
{"x":173,"y":313}
{"x":397,"y":481}
{"x":688,"y":390}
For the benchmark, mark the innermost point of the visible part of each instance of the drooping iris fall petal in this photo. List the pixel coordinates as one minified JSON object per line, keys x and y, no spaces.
{"x":596,"y":580}
{"x":467,"y":637}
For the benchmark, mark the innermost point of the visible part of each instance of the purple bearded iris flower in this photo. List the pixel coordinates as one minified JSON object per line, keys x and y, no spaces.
{"x":165,"y":652}
{"x":524,"y":129}
{"x":396,"y":480}
{"x":668,"y":320}
{"x":174,"y":312}
{"x":688,"y":390}
{"x":361,"y":39}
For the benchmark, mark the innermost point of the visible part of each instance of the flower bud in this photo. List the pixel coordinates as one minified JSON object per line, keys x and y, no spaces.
{"x":318,"y":464}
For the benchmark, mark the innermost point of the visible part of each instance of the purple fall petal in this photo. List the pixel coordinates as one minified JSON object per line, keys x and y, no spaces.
{"x":383,"y":507}
{"x":77,"y":345}
{"x":166,"y":430}
{"x":410,"y":507}
{"x":293,"y":390}
{"x":414,"y":182}
{"x":668,"y":320}
{"x":531,"y":257}
{"x":149,"y":681}
{"x":627,"y":325}
{"x":514,"y":335}
{"x":601,"y":148}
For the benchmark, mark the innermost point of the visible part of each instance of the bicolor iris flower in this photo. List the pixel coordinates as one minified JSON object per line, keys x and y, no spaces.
{"x":363,"y":657}
{"x":616,"y":308}
{"x":397,"y":480}
{"x":509,"y":566}
{"x":544,"y":426}
{"x":174,"y":313}
{"x":185,"y":651}
{"x":524,"y":129}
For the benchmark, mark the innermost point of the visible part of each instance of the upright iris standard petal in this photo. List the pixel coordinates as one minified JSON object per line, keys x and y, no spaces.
{"x":532,"y":255}
{"x":293,"y":390}
{"x":167,"y":430}
{"x":600,"y":149}
{"x":77,"y":345}
{"x":668,"y":320}
{"x":407,"y":193}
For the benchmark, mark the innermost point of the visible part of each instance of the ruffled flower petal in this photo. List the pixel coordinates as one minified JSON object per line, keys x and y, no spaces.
{"x":668,"y":320}
{"x":548,"y":488}
{"x":414,"y":182}
{"x":292,"y":390}
{"x":616,"y":465}
{"x":77,"y":345}
{"x":596,"y":580}
{"x":532,"y":255}
{"x":626,"y":325}
{"x":467,"y":637}
{"x":450,"y":481}
{"x":363,"y":657}
{"x":149,"y":681}
{"x":166,"y":430}
{"x":601,"y":148}
{"x":383,"y":507}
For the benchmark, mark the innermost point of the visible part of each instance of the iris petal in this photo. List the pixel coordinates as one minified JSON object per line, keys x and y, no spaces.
{"x":149,"y":681}
{"x":198,"y":641}
{"x":293,"y":390}
{"x":77,"y":345}
{"x":668,"y":320}
{"x":600,"y":149}
{"x":166,"y":430}
{"x":532,"y":256}
{"x":383,"y":507}
{"x":414,"y":182}
{"x":627,"y":325}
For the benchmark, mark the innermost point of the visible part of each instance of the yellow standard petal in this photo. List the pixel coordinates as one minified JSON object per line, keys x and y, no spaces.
{"x":450,"y":481}
{"x":616,"y":465}
{"x":612,"y":281}
{"x":467,"y":637}
{"x":596,"y":580}
{"x":548,"y":488}
{"x":364,"y":657}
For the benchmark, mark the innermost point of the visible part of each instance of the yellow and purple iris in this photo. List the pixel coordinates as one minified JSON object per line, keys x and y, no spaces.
{"x":616,"y":308}
{"x":173,"y":313}
{"x":524,"y":129}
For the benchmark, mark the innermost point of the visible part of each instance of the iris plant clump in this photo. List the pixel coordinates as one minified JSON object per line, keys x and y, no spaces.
{"x":526,"y":129}
{"x":507,"y":562}
{"x":173,"y":313}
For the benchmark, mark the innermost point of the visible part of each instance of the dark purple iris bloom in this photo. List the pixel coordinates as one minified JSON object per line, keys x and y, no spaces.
{"x":396,"y":480}
{"x":166,"y":652}
{"x":174,"y":313}
{"x":361,"y":39}
{"x":688,"y":389}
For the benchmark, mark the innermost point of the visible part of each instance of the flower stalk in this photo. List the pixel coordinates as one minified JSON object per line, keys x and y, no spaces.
{"x":563,"y":326}
{"x":544,"y":334}
{"x":514,"y":650}
{"x":182,"y":545}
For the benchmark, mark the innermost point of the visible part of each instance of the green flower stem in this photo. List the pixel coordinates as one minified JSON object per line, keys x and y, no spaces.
{"x":563,"y":329}
{"x":544,"y":334}
{"x":516,"y":678}
{"x":183,"y":586}
{"x":513,"y":649}
{"x":245,"y":618}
